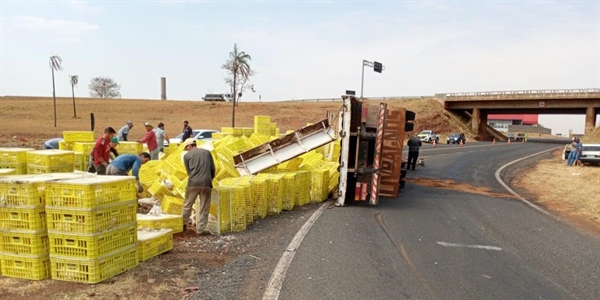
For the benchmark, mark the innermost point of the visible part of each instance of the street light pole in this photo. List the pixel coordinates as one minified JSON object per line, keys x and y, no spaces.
{"x":377,"y":67}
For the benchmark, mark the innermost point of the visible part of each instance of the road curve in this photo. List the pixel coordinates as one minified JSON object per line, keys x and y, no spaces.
{"x":441,"y":244}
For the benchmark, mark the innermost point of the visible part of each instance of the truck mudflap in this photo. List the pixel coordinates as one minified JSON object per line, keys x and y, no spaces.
{"x":285,"y":148}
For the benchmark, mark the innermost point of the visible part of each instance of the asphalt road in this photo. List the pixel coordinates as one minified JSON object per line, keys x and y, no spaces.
{"x":441,"y":244}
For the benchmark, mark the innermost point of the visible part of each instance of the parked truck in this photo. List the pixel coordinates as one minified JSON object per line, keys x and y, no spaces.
{"x":428,"y":136}
{"x":218,"y":97}
{"x":372,"y":137}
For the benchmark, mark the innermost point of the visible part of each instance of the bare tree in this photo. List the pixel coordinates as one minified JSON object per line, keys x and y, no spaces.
{"x":239,"y":72}
{"x":55,"y":65}
{"x":74,"y":82}
{"x":104,"y":87}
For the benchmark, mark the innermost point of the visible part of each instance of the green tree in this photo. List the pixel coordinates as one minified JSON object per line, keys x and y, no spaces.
{"x":238,"y":74}
{"x":55,"y":65}
{"x":74,"y":82}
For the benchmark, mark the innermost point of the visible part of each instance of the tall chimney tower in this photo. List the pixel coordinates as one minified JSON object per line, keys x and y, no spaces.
{"x":163,"y":88}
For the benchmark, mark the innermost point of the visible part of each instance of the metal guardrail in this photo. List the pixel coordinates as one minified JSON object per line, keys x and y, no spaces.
{"x":340,"y":99}
{"x":526,"y":94}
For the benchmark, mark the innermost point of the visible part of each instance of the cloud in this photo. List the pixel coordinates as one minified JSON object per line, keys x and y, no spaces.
{"x":53,"y":25}
{"x":84,"y":7}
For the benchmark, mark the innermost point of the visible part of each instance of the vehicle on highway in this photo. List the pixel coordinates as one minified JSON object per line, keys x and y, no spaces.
{"x":456,"y":138}
{"x":428,"y":136}
{"x":199,"y":135}
{"x":218,"y":97}
{"x":590,"y":153}
{"x":520,"y":137}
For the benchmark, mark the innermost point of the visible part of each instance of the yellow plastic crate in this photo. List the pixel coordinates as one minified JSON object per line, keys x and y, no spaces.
{"x":302,"y":188}
{"x":94,"y":220}
{"x":19,"y":169}
{"x":14,"y":155}
{"x":320,"y":185}
{"x":289,"y":179}
{"x":260,"y":195}
{"x":22,"y":193}
{"x":41,"y":169}
{"x":90,"y":192}
{"x":154,"y":242}
{"x":77,"y":245}
{"x":19,"y":242}
{"x":62,"y":145}
{"x":80,"y":161}
{"x":238,"y":209}
{"x":158,"y":190}
{"x":130,"y":148}
{"x":262,"y":119}
{"x":78,"y":136}
{"x":163,"y":221}
{"x":83,"y":147}
{"x":275,"y":198}
{"x":23,"y":218}
{"x":220,"y":211}
{"x":86,"y":270}
{"x":25,"y":266}
{"x":50,"y":157}
{"x":7,"y":171}
{"x":172,"y":205}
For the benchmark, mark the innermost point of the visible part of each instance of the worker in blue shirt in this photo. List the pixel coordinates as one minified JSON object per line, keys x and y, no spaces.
{"x":124,"y":163}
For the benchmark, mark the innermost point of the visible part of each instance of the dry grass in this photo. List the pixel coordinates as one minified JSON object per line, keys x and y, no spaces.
{"x":592,"y":137}
{"x":31,"y":118}
{"x":570,"y":191}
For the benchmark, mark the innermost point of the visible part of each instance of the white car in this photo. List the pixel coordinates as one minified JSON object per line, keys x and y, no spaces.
{"x":199,"y":135}
{"x":590,"y":153}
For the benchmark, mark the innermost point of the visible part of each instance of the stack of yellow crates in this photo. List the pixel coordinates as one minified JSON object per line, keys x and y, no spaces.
{"x":70,"y":137}
{"x":130,"y":148}
{"x":92,"y":227}
{"x":24,"y":246}
{"x":262,"y":125}
{"x":14,"y":158}
{"x":50,"y":161}
{"x":82,"y":152}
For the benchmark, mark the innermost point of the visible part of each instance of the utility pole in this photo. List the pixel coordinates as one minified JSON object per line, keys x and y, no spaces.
{"x":377,"y":67}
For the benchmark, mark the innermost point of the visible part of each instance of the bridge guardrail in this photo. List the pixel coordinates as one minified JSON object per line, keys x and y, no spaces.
{"x":526,"y":94}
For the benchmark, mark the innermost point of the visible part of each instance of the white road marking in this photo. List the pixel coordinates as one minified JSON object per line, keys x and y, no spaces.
{"x":515,"y":193}
{"x":276,"y":281}
{"x":493,"y":248}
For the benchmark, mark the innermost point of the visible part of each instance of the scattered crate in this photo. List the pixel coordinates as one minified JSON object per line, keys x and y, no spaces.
{"x":172,"y":205}
{"x":25,"y":266}
{"x":152,"y":243}
{"x":90,"y":192}
{"x":18,"y":242}
{"x":78,"y":136}
{"x":92,"y":245}
{"x":95,"y":270}
{"x":73,"y":220}
{"x":163,"y":221}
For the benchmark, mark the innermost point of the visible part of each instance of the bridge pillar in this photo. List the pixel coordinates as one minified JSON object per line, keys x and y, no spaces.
{"x":590,"y":119}
{"x":475,"y":120}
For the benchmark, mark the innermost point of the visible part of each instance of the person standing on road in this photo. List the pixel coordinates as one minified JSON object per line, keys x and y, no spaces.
{"x":102,"y":151}
{"x":526,"y":137}
{"x":150,"y":140}
{"x":129,"y":162}
{"x":414,"y":143}
{"x":52,"y":143}
{"x":187,"y":131}
{"x":200,"y":167}
{"x":161,"y":136}
{"x":124,"y":131}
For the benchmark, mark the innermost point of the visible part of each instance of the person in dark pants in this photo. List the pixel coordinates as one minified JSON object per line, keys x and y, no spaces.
{"x":414,"y":143}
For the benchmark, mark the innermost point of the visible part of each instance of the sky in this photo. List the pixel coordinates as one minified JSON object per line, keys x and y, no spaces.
{"x":304,"y":49}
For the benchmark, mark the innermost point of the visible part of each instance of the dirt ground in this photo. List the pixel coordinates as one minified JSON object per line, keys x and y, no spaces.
{"x":29,"y":121}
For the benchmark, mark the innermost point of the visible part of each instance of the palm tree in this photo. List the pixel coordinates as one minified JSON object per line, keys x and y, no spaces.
{"x":74,"y":81}
{"x":55,"y":65}
{"x":239,"y":67}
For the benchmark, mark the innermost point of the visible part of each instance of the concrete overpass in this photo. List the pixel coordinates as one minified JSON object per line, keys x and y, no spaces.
{"x":480,"y":104}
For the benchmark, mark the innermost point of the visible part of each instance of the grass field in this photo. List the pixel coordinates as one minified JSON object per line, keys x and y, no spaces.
{"x":30,"y":119}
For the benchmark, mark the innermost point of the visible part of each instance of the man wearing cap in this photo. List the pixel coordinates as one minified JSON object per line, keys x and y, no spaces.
{"x":200,"y":167}
{"x":124,"y":131}
{"x":150,"y":140}
{"x":129,"y":162}
{"x":187,"y":131}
